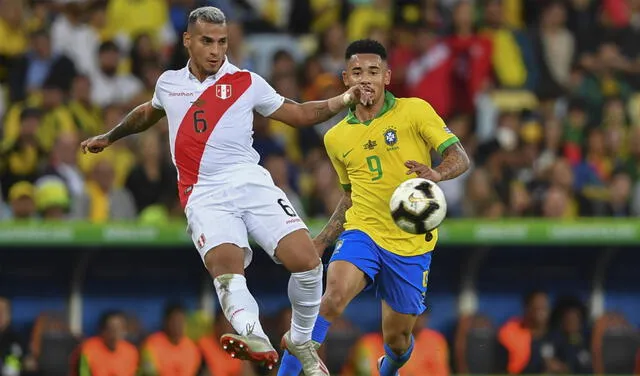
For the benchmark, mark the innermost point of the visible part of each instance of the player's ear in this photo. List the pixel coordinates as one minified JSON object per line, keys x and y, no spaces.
{"x":344,"y":78}
{"x":186,"y":39}
{"x":387,"y":77}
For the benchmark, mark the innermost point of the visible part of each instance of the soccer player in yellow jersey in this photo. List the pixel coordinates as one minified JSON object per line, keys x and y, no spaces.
{"x":376,"y":147}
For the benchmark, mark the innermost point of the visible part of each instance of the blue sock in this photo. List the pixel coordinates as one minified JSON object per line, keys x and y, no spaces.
{"x":320,"y":329}
{"x":392,"y":362}
{"x":290,"y":366}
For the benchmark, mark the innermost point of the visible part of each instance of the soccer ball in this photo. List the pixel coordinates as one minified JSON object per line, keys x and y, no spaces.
{"x":418,"y":206}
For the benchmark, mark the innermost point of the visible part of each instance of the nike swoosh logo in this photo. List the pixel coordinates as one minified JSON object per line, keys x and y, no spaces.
{"x":413,"y":198}
{"x":344,"y":155}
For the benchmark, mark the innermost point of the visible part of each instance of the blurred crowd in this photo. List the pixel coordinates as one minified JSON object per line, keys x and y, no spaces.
{"x":541,"y":340}
{"x":542,"y":93}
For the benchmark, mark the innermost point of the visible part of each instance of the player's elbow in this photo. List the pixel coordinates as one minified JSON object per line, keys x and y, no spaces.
{"x":465,"y":161}
{"x":458,"y":157}
{"x":304,"y":117}
{"x":297,"y":116}
{"x":311,"y":113}
{"x":151,"y":114}
{"x":347,"y":198}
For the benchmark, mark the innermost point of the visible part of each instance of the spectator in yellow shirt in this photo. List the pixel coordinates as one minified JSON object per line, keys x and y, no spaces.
{"x":55,"y":117}
{"x":119,"y":155}
{"x":103,"y":202}
{"x":20,"y":157}
{"x":512,"y":59}
{"x":52,"y":198}
{"x":13,"y":31}
{"x":21,"y":198}
{"x":127,"y":19}
{"x":86,"y":114}
{"x":368,"y":15}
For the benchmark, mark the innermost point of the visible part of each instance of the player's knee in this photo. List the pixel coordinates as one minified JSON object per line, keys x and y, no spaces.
{"x":296,"y":252}
{"x":399,"y":341}
{"x":224,"y":259}
{"x":311,"y":262}
{"x":304,"y":262}
{"x":333,"y":304}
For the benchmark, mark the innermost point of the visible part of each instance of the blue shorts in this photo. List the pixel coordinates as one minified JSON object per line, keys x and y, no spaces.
{"x":401,"y":281}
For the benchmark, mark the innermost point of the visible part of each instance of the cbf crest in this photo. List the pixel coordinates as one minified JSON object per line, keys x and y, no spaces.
{"x":336,"y":249}
{"x":391,"y":138}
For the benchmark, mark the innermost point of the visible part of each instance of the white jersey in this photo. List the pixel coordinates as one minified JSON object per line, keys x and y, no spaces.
{"x":211,"y":122}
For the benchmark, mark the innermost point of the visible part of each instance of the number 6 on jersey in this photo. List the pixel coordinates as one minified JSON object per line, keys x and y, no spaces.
{"x":199,"y":122}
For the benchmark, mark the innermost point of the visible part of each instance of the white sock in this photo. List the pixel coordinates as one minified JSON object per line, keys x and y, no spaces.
{"x":238,"y":305}
{"x":305,"y":293}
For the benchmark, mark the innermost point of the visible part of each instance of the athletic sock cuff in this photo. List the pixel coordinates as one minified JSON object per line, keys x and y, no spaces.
{"x":399,"y":360}
{"x":320,"y":329}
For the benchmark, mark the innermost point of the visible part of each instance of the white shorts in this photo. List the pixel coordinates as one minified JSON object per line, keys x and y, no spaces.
{"x":243,"y":202}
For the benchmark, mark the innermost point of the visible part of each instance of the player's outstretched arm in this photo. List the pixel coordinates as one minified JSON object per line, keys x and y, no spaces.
{"x":314,"y":112}
{"x":335,"y":226}
{"x":138,"y":120}
{"x":455,"y":162}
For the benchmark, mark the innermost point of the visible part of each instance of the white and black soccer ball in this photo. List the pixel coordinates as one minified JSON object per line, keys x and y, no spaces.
{"x":418,"y":206}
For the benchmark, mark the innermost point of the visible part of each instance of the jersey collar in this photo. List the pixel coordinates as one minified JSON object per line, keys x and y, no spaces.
{"x":389,"y":101}
{"x":224,"y":68}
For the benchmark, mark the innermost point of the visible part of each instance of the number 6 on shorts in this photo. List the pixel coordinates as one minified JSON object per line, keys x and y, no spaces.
{"x":287,"y":209}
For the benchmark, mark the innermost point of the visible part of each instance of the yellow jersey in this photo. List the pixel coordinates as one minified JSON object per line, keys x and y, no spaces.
{"x":369,"y":158}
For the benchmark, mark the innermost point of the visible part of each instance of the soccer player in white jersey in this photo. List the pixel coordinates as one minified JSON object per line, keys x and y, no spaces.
{"x":225,"y":193}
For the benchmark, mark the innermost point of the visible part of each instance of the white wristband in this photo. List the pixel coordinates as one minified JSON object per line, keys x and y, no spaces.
{"x":346,"y":98}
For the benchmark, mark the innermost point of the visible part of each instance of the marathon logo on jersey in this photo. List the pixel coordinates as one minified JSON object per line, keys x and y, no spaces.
{"x":223,"y":91}
{"x":201,"y":241}
{"x":446,"y":129}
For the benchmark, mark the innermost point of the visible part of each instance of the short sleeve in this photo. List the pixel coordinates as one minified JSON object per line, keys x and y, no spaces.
{"x":155,"y":100}
{"x":338,"y":165}
{"x":431,"y":127}
{"x":266,"y":99}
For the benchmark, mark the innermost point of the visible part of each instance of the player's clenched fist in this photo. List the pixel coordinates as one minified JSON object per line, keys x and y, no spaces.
{"x":423,"y":171}
{"x":95,"y":144}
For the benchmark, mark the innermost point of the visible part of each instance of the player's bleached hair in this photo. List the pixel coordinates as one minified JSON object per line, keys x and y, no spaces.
{"x":210,"y":15}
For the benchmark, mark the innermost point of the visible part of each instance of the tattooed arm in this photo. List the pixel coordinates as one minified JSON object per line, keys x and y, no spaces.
{"x":138,"y":120}
{"x":335,"y":226}
{"x":455,"y":161}
{"x":314,"y":112}
{"x":307,"y":113}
